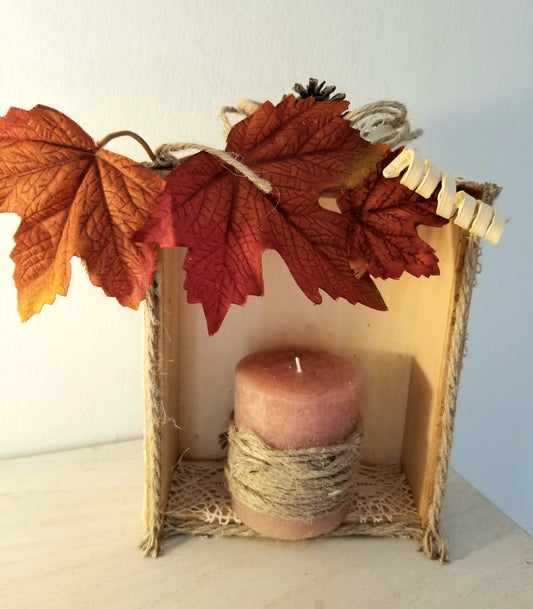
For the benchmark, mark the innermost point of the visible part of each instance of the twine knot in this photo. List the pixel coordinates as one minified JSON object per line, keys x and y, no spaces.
{"x":383,"y":122}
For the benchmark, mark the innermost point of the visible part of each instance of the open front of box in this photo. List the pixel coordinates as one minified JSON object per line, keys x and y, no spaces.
{"x":403,"y":354}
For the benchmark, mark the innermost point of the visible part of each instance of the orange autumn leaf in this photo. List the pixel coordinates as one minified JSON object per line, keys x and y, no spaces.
{"x":74,"y":199}
{"x":302,"y":149}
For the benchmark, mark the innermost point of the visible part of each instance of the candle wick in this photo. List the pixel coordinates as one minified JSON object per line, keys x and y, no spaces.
{"x":298,"y":367}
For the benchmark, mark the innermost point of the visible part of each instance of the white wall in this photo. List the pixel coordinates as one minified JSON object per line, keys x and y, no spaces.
{"x":71,"y":376}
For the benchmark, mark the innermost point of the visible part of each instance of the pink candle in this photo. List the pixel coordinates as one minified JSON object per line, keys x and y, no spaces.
{"x":292,"y":399}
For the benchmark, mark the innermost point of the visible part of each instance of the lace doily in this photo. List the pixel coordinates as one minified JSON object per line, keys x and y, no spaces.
{"x":198,"y":493}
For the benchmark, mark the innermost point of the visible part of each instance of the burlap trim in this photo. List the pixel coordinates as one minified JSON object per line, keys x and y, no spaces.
{"x":433,"y":545}
{"x":153,"y":511}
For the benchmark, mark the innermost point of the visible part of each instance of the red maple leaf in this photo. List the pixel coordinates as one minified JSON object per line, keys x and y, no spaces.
{"x":74,"y":199}
{"x":303,"y":149}
{"x":383,"y":215}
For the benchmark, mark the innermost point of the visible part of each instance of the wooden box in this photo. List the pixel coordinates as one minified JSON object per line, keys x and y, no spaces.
{"x":410,"y":357}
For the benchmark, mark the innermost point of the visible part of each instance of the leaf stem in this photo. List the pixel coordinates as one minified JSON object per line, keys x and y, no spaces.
{"x":116,"y":134}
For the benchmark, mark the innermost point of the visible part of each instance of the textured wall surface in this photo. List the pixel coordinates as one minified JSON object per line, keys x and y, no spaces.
{"x":71,"y":376}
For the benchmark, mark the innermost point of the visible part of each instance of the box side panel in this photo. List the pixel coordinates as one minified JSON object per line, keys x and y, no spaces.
{"x":440,"y":448}
{"x":435,"y":311}
{"x":160,"y":428}
{"x":427,"y":454}
{"x":169,"y":367}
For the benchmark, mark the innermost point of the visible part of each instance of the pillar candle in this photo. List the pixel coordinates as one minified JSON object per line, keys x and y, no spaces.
{"x":292,"y":399}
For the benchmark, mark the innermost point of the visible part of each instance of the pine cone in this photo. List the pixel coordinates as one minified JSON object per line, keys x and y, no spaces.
{"x":318,"y":91}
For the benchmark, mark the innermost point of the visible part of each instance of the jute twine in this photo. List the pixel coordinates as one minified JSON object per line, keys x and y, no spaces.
{"x":163,"y":153}
{"x":301,"y":484}
{"x":383,"y":122}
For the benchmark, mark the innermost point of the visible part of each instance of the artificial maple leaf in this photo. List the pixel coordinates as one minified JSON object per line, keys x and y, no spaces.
{"x":74,"y":199}
{"x":383,"y":239}
{"x":303,"y":149}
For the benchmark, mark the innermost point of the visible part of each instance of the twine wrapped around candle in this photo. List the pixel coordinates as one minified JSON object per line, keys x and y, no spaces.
{"x":301,"y":484}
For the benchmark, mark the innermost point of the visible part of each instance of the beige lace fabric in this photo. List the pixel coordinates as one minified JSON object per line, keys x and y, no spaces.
{"x":199,"y":502}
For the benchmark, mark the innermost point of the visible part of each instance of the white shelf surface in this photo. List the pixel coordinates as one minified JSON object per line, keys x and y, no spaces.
{"x":70,"y":523}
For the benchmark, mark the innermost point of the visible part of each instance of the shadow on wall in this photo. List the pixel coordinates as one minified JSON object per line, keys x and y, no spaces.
{"x":494,"y":416}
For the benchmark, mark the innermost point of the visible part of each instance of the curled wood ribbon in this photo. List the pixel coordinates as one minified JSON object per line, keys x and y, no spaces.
{"x":473,"y":215}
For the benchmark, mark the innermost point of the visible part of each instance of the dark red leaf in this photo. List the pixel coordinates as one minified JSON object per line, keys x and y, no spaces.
{"x":303,"y":149}
{"x":383,"y":239}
